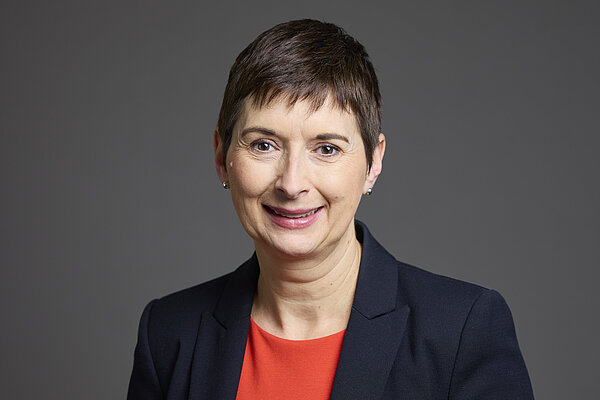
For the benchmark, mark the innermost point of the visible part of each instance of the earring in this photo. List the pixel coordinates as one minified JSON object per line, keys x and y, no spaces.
{"x":225,"y":185}
{"x":369,"y":191}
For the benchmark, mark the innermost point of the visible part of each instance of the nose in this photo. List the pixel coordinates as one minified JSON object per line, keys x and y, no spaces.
{"x":293,"y":179}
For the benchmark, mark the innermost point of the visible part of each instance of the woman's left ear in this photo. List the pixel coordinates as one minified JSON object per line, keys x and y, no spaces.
{"x":377,"y":164}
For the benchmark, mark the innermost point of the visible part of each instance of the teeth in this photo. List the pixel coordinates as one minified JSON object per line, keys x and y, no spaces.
{"x":295,"y":215}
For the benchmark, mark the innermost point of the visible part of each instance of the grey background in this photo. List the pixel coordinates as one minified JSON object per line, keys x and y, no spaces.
{"x":109,"y":196}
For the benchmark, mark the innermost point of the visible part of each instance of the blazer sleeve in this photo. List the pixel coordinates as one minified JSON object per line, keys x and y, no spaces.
{"x":144,"y":384}
{"x":489,"y":364}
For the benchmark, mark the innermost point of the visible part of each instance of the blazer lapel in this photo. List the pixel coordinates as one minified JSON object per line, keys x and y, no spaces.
{"x":222,"y":338}
{"x":376,"y":325}
{"x":373,"y":335}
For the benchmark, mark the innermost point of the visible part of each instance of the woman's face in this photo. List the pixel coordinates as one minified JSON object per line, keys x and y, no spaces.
{"x":296,"y":176}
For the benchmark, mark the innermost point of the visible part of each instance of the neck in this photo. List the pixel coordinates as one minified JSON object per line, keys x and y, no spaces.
{"x":308,"y":298}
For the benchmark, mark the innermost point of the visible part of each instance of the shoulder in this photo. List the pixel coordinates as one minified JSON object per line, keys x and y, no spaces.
{"x":462,"y":317}
{"x":168,"y":331}
{"x":432,"y":298}
{"x":421,"y":288}
{"x":193,"y":300}
{"x":438,"y":299}
{"x":179,"y":313}
{"x":467,"y":331}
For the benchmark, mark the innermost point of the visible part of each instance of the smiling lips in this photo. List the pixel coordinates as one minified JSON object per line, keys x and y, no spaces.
{"x":293,"y":219}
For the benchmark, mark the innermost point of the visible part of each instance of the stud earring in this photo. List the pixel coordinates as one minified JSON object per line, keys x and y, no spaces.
{"x":225,"y":185}
{"x":369,"y":191}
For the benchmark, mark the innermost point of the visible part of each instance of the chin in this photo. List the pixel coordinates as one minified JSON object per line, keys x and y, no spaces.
{"x":292,"y":248}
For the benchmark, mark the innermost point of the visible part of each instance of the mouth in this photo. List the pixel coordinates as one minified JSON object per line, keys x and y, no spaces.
{"x":293,"y":219}
{"x":295,"y":214}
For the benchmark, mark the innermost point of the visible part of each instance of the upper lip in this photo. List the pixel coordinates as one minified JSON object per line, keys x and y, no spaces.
{"x":298,"y":211}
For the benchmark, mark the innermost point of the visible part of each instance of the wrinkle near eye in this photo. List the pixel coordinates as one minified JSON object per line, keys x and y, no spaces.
{"x":249,"y":141}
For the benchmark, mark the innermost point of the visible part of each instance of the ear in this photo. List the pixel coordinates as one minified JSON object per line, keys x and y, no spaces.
{"x":377,"y":164}
{"x":219,"y":164}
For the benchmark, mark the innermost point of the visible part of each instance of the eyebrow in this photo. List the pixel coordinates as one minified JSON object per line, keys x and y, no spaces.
{"x":257,"y":129}
{"x":330,"y":136}
{"x":321,"y":136}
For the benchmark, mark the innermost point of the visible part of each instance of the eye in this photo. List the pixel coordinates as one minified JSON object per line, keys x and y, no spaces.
{"x":328,"y":150}
{"x":262,"y":146}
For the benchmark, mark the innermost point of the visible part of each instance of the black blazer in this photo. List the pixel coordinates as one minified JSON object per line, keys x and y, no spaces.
{"x":411,"y":335}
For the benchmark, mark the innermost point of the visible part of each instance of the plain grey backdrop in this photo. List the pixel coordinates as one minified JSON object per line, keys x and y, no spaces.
{"x":109,"y":196}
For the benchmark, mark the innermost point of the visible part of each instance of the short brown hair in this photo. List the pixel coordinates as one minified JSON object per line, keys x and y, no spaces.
{"x":305,"y":60}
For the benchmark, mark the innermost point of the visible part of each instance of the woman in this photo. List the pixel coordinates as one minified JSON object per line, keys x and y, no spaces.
{"x":320,"y":310}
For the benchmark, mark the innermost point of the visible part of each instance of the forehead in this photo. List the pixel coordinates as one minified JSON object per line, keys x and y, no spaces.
{"x":282,"y":115}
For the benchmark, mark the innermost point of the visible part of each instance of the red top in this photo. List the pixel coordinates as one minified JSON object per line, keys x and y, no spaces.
{"x":276,"y":368}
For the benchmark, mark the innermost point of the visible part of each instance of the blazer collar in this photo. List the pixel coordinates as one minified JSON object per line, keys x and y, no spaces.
{"x":375,"y":328}
{"x":378,"y":275}
{"x":236,"y":301}
{"x":376,"y":289}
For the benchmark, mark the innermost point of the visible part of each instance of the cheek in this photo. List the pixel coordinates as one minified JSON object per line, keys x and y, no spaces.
{"x":248,"y":179}
{"x":343,"y":184}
